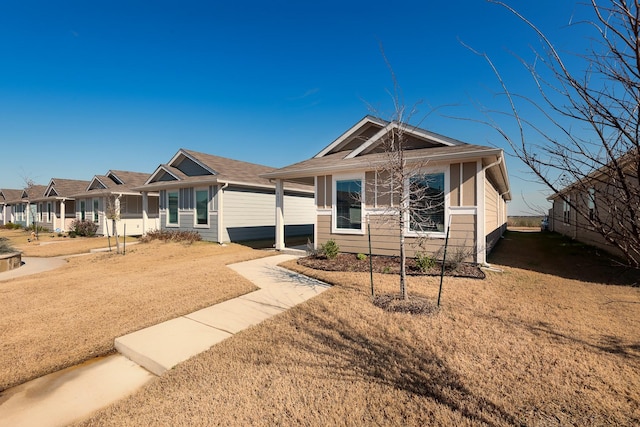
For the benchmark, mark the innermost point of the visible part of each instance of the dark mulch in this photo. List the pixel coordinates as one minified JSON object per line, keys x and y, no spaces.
{"x":388,"y":265}
{"x":412,"y":305}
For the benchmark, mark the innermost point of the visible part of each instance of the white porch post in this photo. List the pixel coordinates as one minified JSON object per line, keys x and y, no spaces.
{"x":145,"y":209}
{"x":279,"y":215}
{"x":481,"y":236}
{"x":63,"y":226}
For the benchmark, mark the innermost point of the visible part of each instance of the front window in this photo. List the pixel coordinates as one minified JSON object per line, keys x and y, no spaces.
{"x":566,"y":211}
{"x":83,"y":210}
{"x":49,"y":217}
{"x":202,"y":207}
{"x":592,"y":203}
{"x":172,"y":203}
{"x":349,"y":204}
{"x":96,"y":209}
{"x":426,"y":203}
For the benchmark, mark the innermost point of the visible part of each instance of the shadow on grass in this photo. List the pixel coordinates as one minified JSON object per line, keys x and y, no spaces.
{"x":552,"y":253}
{"x":353,"y":354}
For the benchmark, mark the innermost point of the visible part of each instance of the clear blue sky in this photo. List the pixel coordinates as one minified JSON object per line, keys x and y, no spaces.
{"x":88,"y":86}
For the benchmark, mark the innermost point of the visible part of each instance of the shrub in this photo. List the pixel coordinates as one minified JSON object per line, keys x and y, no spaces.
{"x":330,"y":249}
{"x":424,"y":262}
{"x":83,"y":228}
{"x":37,"y":228}
{"x":171,"y":236}
{"x":11,"y":226}
{"x":361,"y":257}
{"x":5,"y":246}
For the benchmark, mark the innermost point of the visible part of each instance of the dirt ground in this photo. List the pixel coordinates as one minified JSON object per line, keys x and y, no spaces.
{"x":59,"y":318}
{"x":50,"y":244}
{"x":551,"y":339}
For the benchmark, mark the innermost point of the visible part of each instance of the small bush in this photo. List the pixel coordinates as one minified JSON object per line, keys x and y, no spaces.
{"x":37,"y":228}
{"x":83,"y":228}
{"x":424,"y":262}
{"x":361,"y":257}
{"x":330,"y":249}
{"x":5,"y":246}
{"x":171,"y":236}
{"x":12,"y":226}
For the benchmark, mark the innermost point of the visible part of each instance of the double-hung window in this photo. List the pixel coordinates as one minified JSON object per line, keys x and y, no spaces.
{"x":202,"y":206}
{"x":172,"y":207}
{"x":348,"y":205}
{"x":427,"y":203}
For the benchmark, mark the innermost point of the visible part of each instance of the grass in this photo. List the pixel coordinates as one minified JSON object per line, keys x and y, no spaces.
{"x":60,"y":318}
{"x":533,"y":345}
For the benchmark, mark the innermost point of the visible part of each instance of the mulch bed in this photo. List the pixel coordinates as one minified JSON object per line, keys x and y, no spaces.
{"x":388,"y":265}
{"x":412,"y":305}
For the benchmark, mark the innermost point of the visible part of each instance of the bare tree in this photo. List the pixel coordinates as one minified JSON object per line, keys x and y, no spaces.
{"x":585,"y":149}
{"x":413,"y":199}
{"x":112,"y":212}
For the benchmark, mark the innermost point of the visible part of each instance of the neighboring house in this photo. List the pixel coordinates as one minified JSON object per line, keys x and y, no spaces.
{"x":471,"y":180}
{"x":8,"y":202}
{"x":57,"y":204}
{"x":113,"y":193}
{"x":19,"y":207}
{"x":226,"y":200}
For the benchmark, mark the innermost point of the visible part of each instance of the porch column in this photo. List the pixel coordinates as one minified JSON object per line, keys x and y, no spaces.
{"x":63,"y":226}
{"x":4,"y":214}
{"x":279,"y":215}
{"x":145,"y":209}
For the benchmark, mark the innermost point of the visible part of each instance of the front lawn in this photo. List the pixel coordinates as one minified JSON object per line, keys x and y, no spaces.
{"x":523,"y":347}
{"x":62,"y":317}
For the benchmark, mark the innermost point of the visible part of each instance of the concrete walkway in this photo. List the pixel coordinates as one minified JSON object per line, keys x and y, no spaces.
{"x":33,"y":265}
{"x":63,"y":397}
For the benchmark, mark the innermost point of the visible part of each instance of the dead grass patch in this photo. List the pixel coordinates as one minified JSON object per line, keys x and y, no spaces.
{"x":520,"y":348}
{"x":57,"y":319}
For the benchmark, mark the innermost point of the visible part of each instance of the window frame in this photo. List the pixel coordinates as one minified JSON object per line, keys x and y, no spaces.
{"x":168,"y":222}
{"x":96,"y":211}
{"x":195,"y":207}
{"x":445,"y":209}
{"x":334,"y":206}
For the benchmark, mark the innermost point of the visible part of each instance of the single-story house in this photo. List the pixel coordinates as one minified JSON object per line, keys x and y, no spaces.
{"x":226,"y":200}
{"x":7,"y":207}
{"x":468,"y":187}
{"x":600,"y":208}
{"x":57,"y":205}
{"x":19,"y":207}
{"x":113,"y":193}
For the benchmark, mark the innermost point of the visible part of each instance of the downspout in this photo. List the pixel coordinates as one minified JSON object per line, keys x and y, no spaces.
{"x":220,"y":214}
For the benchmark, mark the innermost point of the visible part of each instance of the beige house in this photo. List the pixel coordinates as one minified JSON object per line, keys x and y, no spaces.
{"x":114,"y":193}
{"x":469,"y":183}
{"x":8,"y":200}
{"x":18,"y":206}
{"x":56,"y":208}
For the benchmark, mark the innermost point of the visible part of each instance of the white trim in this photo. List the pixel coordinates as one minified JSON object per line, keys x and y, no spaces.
{"x":322,"y":212}
{"x":348,"y":134}
{"x":445,"y":170}
{"x":463,"y":210}
{"x":481,"y":236}
{"x":346,"y":177}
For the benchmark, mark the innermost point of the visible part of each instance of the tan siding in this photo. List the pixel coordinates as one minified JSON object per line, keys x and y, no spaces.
{"x":385,"y":237}
{"x":370,"y":188}
{"x":469,"y":184}
{"x":455,"y":184}
{"x":320,"y":193}
{"x":490,"y":207}
{"x":384,"y":193}
{"x":328,"y":191}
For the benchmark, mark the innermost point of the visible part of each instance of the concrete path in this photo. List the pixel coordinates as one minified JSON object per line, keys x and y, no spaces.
{"x":73,"y":394}
{"x":33,"y":265}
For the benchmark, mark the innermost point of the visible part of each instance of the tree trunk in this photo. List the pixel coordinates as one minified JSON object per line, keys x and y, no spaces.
{"x":115,"y":234}
{"x":403,"y":260}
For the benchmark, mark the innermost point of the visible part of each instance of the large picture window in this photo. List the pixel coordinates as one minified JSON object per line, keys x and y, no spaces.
{"x":172,"y":204}
{"x":202,"y":207}
{"x":348,"y":204}
{"x":426,"y":208}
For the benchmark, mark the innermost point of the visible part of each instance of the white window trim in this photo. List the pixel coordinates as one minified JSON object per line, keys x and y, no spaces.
{"x":432,"y":234}
{"x":195,"y":208}
{"x":167,"y":223}
{"x":334,"y":216}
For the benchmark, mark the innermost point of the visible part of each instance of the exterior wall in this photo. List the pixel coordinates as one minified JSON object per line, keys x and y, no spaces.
{"x":494,"y":208}
{"x":187,"y":213}
{"x":385,"y":237}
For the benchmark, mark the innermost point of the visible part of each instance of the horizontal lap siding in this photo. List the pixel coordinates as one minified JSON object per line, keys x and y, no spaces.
{"x":298,"y":210}
{"x":249,"y":209}
{"x":385,"y":237}
{"x":492,"y":223}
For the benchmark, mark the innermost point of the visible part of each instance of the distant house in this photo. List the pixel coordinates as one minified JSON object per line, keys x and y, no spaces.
{"x":9,"y":198}
{"x":56,"y":206}
{"x":469,"y":181}
{"x":113,"y":192}
{"x":226,"y":200}
{"x":19,"y":207}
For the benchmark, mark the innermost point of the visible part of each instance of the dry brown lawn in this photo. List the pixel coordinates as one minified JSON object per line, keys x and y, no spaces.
{"x":50,"y":245}
{"x":62,"y":317}
{"x":523,"y":347}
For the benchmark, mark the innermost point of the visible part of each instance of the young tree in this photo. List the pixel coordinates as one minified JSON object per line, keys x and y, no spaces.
{"x":586,"y":149}
{"x":112,"y":212}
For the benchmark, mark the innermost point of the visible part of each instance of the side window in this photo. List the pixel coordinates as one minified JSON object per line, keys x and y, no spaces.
{"x":348,"y":206}
{"x":202,"y":207}
{"x":172,"y":206}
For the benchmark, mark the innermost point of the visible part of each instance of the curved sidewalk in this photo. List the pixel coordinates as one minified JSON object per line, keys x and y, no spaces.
{"x":73,"y":394}
{"x":33,"y":265}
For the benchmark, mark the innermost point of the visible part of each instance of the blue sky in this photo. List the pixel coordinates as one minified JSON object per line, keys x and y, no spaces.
{"x":89,"y":86}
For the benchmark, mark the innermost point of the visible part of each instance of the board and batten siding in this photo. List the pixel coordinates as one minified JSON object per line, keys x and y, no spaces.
{"x":187,"y":214}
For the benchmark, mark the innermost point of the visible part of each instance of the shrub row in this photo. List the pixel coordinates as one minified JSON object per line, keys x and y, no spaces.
{"x":83,"y":228}
{"x":171,"y":236}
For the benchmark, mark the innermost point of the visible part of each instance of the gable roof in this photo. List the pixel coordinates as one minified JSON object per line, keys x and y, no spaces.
{"x":10,"y":196}
{"x":61,"y":188}
{"x":360,"y":149}
{"x":188,"y":167}
{"x":114,"y":182}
